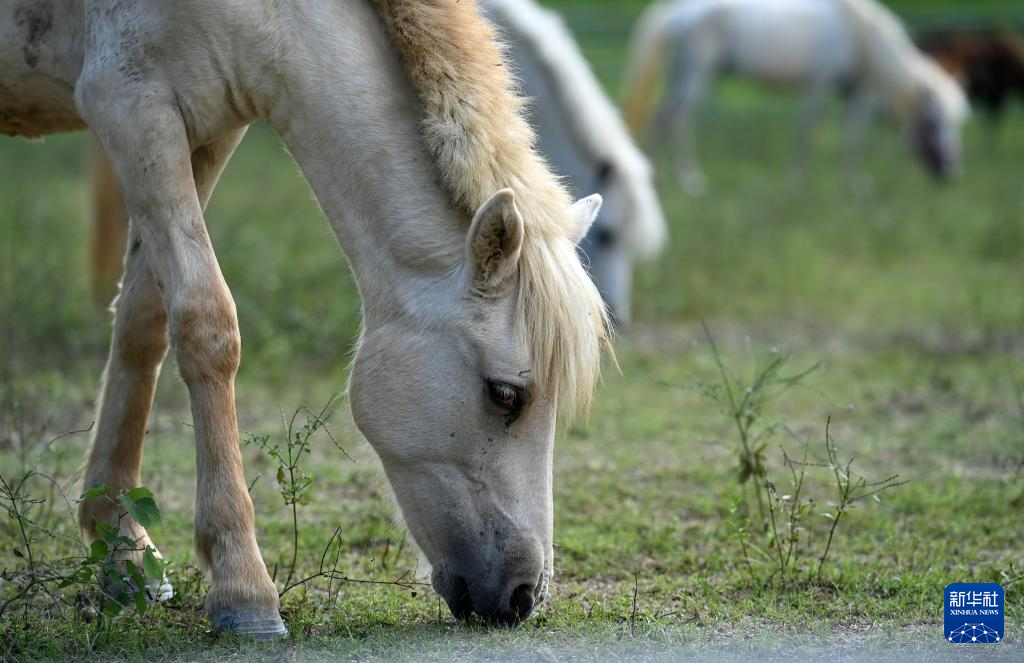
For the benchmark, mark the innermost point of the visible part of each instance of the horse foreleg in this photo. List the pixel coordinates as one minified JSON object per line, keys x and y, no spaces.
{"x":129,"y":381}
{"x":147,"y":142}
{"x":810,"y":114}
{"x":855,"y":124}
{"x":675,"y":121}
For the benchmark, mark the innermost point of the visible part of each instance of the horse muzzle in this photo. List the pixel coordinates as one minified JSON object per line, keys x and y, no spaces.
{"x":503,"y":594}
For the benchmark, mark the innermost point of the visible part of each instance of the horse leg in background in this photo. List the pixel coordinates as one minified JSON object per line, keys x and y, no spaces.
{"x":994,"y":102}
{"x":687,"y":83}
{"x":810,"y":113}
{"x":147,"y":142}
{"x":109,"y":228}
{"x":855,"y":124}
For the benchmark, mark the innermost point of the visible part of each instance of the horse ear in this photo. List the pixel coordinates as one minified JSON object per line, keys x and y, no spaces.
{"x":494,"y":243}
{"x":583,"y":212}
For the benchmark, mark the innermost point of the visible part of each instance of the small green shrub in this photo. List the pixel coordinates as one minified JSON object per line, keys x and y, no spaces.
{"x":778,"y":537}
{"x":100,"y":570}
{"x":293,"y":482}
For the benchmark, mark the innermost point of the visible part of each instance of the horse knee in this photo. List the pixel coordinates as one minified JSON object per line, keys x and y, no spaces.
{"x":206,"y":339}
{"x":140,"y":332}
{"x":143,"y":342}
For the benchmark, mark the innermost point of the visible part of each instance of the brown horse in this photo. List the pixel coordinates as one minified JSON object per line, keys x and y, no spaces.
{"x":990,"y":65}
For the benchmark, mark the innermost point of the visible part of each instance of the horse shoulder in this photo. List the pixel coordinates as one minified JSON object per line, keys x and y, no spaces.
{"x":217,"y":61}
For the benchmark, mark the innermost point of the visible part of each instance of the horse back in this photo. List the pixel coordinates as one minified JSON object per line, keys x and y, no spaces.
{"x":786,"y":42}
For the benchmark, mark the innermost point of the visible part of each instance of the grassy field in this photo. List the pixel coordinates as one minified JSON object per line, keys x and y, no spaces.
{"x":907,"y":302}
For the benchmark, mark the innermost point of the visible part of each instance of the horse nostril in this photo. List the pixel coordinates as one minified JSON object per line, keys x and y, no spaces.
{"x":459,"y":601}
{"x":522,"y":601}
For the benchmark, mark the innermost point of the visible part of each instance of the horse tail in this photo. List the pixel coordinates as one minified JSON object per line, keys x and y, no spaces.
{"x":647,"y":55}
{"x":109,"y":229}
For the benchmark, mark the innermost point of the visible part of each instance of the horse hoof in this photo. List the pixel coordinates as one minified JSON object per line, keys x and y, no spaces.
{"x":163,"y":592}
{"x":154,"y":592}
{"x":694,"y":184}
{"x":159,"y":593}
{"x":258,"y":623}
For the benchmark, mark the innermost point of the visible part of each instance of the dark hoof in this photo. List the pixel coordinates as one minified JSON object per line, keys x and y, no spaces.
{"x":259,"y":623}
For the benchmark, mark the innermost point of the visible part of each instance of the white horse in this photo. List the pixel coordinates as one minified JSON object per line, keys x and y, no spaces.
{"x":854,"y":47}
{"x":586,"y":142}
{"x":479,"y":321}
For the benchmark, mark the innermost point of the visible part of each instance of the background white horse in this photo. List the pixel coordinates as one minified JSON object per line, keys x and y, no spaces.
{"x":854,"y":47}
{"x":479,"y":321}
{"x":585,"y":141}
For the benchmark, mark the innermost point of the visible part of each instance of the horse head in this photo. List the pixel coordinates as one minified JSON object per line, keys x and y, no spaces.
{"x":457,"y":404}
{"x":941,"y":110}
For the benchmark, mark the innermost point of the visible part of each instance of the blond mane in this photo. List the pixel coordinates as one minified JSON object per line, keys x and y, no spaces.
{"x":474,"y":129}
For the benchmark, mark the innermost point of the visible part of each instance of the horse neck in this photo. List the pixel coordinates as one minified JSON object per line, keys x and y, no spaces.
{"x":889,"y":59}
{"x":578,"y":127}
{"x":348,"y":117}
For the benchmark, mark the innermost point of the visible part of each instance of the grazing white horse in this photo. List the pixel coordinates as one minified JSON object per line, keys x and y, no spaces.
{"x":823,"y":47}
{"x":479,"y":321}
{"x":585,"y":141}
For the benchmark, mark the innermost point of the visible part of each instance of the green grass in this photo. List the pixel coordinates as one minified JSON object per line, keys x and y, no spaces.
{"x":910,"y":297}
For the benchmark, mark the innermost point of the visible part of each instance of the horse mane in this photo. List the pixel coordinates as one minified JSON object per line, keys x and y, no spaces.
{"x":597,"y":128}
{"x":946,"y":89}
{"x":473,"y":127}
{"x":893,"y":59}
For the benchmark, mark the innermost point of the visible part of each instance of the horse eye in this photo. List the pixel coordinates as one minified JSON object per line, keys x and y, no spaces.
{"x":507,"y":397}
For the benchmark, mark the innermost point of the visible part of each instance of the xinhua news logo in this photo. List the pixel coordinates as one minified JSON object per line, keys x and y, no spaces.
{"x":974,"y":612}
